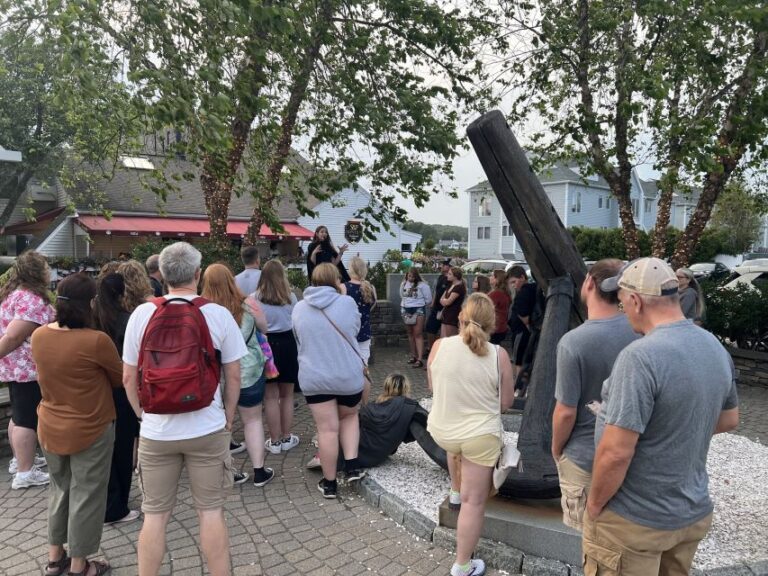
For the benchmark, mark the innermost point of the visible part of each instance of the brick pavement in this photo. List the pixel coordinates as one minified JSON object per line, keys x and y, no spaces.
{"x":284,"y":528}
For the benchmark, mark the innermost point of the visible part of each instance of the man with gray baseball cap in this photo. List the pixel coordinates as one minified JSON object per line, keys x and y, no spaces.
{"x":668,"y":393}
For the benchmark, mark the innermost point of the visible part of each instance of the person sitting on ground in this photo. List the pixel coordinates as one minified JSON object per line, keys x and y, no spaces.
{"x":155,"y":276}
{"x":78,"y":368}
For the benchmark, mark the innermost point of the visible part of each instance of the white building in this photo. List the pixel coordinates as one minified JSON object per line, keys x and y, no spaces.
{"x":348,"y":204}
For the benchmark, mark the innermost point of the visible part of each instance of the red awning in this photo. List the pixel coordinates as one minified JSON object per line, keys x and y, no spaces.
{"x":144,"y":225}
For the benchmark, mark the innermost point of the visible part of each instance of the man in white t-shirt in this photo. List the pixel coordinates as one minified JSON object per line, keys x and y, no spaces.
{"x":196,"y":440}
{"x":248,"y":279}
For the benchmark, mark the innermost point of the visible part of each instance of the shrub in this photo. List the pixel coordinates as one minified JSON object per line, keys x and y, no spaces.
{"x":737,"y":315}
{"x":377,"y":275}
{"x":297,"y":278}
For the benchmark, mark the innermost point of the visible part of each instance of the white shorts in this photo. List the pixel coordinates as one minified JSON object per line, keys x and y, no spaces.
{"x":365,"y":350}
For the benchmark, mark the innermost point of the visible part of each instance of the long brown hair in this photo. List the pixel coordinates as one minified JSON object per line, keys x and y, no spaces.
{"x":30,"y":271}
{"x":137,"y":286}
{"x":219,"y":287}
{"x":501,"y":281}
{"x":273,"y":287}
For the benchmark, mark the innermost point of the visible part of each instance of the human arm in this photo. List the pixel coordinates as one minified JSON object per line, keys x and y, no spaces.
{"x":563,"y":421}
{"x":449,"y":296}
{"x":568,"y":387}
{"x":131,"y":385}
{"x":15,"y":335}
{"x":728,"y":420}
{"x":432,"y":356}
{"x":375,"y":297}
{"x":507,"y":381}
{"x":231,"y":390}
{"x":426,"y":293}
{"x":258,"y":314}
{"x":612,"y":459}
{"x":339,"y":253}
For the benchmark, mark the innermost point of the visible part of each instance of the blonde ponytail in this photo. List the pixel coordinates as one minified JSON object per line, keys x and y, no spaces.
{"x":358,"y":270}
{"x":477,"y":318}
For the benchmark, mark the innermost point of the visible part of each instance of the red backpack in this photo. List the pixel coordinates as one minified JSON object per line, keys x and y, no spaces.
{"x":179,"y":368}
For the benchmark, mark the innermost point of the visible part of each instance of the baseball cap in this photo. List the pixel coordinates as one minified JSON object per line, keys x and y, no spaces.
{"x":650,"y":276}
{"x":447,"y":262}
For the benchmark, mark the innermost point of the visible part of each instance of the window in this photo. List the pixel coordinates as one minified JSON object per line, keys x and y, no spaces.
{"x":405,"y":248}
{"x":608,"y":203}
{"x":647,"y":206}
{"x":483,"y":232}
{"x":485,"y":207}
{"x":576,"y":202}
{"x":504,"y":229}
{"x":599,"y":201}
{"x":635,"y":206}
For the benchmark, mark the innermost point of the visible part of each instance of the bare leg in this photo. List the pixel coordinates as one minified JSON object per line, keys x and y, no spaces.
{"x":326,"y":417}
{"x":55,"y":552}
{"x":152,"y":543}
{"x":11,"y":426}
{"x":349,"y":431}
{"x":24,"y":444}
{"x":214,"y":541}
{"x":476,"y":482}
{"x":454,"y":470}
{"x":411,"y":340}
{"x":254,"y":433}
{"x":286,"y":408}
{"x":418,"y":336}
{"x":272,"y":410}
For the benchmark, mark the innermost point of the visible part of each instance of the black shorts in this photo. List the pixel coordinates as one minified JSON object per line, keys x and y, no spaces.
{"x":433,"y":324}
{"x":349,"y":400}
{"x":285,"y":354}
{"x":25,"y":397}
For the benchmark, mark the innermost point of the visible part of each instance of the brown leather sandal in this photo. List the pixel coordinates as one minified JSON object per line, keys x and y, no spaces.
{"x":102,"y":568}
{"x":59,"y":567}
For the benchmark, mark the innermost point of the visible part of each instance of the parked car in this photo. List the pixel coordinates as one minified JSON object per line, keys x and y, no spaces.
{"x":754,"y":276}
{"x":486,"y":266}
{"x":710,"y":270}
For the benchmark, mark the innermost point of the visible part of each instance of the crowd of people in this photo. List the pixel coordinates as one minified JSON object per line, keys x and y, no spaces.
{"x":144,"y":369}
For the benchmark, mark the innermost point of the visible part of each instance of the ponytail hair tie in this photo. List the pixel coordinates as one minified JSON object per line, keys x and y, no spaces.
{"x":62,"y":297}
{"x":475,"y":323}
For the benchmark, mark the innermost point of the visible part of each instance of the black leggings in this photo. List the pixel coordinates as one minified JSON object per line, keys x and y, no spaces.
{"x":121,"y":473}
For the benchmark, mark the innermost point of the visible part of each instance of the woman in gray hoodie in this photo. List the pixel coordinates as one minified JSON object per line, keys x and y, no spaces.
{"x":326,"y":324}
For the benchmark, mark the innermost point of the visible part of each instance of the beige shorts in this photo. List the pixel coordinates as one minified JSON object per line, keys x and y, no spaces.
{"x":208,"y":463}
{"x":482,"y":450}
{"x":574,"y":488}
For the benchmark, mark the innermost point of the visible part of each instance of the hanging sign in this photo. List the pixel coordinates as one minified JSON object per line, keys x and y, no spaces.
{"x":353,"y":231}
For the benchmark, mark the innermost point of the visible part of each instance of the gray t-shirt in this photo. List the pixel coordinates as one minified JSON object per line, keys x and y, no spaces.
{"x":585,"y":357}
{"x":248,"y":280}
{"x":669,"y":387}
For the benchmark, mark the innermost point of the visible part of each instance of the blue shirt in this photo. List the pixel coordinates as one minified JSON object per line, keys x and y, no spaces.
{"x":355,"y":292}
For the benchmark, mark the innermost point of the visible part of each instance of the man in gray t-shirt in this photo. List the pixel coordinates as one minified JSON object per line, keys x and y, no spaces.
{"x":585,"y":356}
{"x":249,"y":278}
{"x":669,"y":392}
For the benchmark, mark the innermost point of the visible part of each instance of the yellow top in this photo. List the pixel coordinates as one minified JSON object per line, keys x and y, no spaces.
{"x":465,"y":391}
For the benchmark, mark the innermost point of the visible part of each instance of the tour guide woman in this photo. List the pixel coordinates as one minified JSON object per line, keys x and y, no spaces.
{"x":466,"y":373}
{"x":321,"y":250}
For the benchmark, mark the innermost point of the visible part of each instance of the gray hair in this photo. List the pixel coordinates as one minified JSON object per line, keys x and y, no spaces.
{"x":178,"y":263}
{"x":153,"y":263}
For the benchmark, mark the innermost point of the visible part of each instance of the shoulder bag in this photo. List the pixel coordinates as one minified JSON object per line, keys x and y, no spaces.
{"x":510,"y":455}
{"x":366,"y":375}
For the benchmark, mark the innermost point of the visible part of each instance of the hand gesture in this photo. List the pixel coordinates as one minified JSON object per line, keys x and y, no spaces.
{"x":344,"y":248}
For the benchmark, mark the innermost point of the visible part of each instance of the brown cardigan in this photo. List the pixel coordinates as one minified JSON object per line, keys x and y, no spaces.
{"x":77,"y":370}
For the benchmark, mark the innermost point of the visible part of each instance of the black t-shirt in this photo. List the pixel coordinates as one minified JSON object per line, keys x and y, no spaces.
{"x":325,"y":254}
{"x":523,"y":305}
{"x":440,"y":287}
{"x":157,"y":286}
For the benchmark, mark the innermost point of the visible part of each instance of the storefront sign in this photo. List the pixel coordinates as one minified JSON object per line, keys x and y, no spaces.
{"x":353,"y":231}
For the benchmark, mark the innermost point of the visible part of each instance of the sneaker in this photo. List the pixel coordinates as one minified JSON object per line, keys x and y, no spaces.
{"x":476,"y":568}
{"x":290,"y":442}
{"x":270,"y":474}
{"x":315,"y":442}
{"x":327,"y":488}
{"x":354,"y":475}
{"x":34,"y":477}
{"x":273,"y":447}
{"x":13,"y":465}
{"x":454,"y":500}
{"x":314,"y":463}
{"x":240,"y":477}
{"x":130,"y":517}
{"x":236,"y":447}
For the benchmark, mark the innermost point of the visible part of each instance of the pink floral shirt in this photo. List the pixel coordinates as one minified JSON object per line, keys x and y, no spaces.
{"x":21,"y":304}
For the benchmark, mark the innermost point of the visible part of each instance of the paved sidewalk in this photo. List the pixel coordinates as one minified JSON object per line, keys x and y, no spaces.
{"x":284,"y":528}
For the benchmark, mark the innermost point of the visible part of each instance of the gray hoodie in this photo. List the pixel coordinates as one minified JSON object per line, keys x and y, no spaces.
{"x":327,"y":362}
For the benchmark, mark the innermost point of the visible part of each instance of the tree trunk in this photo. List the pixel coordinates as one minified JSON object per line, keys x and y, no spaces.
{"x":267,"y":194}
{"x":620,"y":190}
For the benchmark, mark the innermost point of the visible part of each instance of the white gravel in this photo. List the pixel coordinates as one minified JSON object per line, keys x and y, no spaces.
{"x":737,"y":466}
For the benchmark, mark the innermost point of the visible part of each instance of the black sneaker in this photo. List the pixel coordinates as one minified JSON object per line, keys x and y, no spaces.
{"x":328,"y":488}
{"x":354,"y":475}
{"x":268,"y":475}
{"x":239,"y":478}
{"x":236,"y":447}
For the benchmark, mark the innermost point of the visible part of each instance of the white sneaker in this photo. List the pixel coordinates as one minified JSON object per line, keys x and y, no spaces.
{"x":273,"y":448}
{"x":13,"y":465}
{"x":34,"y":477}
{"x":476,"y":568}
{"x":314,"y":463}
{"x":287,"y":443}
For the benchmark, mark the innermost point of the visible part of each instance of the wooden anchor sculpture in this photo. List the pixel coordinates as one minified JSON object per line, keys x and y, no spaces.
{"x":559,"y":270}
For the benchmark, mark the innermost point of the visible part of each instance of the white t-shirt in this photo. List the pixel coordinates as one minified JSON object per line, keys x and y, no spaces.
{"x":226,"y":337}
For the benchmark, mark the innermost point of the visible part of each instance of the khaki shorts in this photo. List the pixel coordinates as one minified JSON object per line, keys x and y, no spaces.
{"x":615,"y":546}
{"x":208,"y":463}
{"x":482,"y":450}
{"x":574,"y":488}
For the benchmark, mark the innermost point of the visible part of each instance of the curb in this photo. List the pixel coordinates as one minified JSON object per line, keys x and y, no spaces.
{"x":496,"y":554}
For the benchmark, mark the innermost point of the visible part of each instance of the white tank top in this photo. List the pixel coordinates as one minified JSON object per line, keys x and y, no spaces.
{"x":465,"y":390}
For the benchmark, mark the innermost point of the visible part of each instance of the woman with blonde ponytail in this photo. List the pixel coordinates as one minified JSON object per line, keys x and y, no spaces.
{"x":364,"y":295}
{"x":467,"y":374}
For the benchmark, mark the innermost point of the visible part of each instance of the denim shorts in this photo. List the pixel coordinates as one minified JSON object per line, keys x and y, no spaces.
{"x":253,"y":395}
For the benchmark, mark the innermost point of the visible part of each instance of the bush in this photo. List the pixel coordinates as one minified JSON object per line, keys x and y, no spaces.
{"x":297,"y":278}
{"x":211,"y":252}
{"x":377,"y":275}
{"x":738,"y":315}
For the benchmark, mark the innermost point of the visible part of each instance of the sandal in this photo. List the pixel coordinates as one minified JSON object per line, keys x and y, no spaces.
{"x":418,"y":364}
{"x":412,"y":360}
{"x":102,"y":568}
{"x":59,"y":567}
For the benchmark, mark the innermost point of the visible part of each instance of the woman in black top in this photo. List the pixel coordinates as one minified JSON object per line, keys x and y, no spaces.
{"x":111,"y":317}
{"x":321,"y":250}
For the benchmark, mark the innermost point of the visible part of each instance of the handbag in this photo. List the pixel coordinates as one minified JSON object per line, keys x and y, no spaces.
{"x":410,"y":319}
{"x":366,"y":375}
{"x":510,"y":455}
{"x":439,"y":315}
